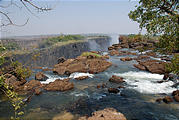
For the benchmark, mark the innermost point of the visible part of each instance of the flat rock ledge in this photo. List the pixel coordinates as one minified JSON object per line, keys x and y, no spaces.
{"x":106,"y":114}
{"x":82,"y":64}
{"x":59,"y":85}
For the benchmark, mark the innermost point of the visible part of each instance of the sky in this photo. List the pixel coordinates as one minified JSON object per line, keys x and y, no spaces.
{"x":73,"y":17}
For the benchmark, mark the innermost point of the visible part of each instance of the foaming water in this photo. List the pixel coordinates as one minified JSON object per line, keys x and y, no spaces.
{"x":144,"y":82}
{"x":80,"y":93}
{"x":77,"y":74}
{"x":52,"y":78}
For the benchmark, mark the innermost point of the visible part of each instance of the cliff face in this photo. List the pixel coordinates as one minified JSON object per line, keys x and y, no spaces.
{"x":49,"y":56}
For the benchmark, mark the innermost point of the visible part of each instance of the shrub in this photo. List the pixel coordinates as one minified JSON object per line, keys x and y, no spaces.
{"x":63,"y":38}
{"x":11,"y":46}
{"x":20,"y":71}
{"x":174,"y":65}
{"x":86,"y":54}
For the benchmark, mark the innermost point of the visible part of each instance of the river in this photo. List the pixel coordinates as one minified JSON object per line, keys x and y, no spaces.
{"x":136,"y":101}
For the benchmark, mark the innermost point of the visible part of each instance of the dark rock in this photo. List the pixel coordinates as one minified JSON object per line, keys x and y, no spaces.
{"x":166,"y":76}
{"x":106,"y":114}
{"x":167,"y":99}
{"x":159,"y":100}
{"x":38,"y":91}
{"x":98,"y":86}
{"x":113,"y":90}
{"x":82,"y":64}
{"x":176,"y":92}
{"x":32,"y":85}
{"x":61,"y":60}
{"x":153,"y":54}
{"x":101,"y":86}
{"x":126,"y":59}
{"x":114,"y":53}
{"x":141,"y":57}
{"x":153,"y":66}
{"x":121,"y":87}
{"x":59,"y":85}
{"x":176,"y":98}
{"x":40,"y":76}
{"x":116,"y":79}
{"x":161,"y":81}
{"x":47,"y":69}
{"x":140,"y":67}
{"x":105,"y":57}
{"x":81,"y":78}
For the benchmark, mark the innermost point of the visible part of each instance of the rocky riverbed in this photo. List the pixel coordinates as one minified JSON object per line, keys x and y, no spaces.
{"x":120,"y":83}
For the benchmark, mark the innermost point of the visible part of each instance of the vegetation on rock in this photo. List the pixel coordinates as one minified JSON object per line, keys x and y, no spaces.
{"x":87,"y":54}
{"x":62,"y":38}
{"x":20,"y":72}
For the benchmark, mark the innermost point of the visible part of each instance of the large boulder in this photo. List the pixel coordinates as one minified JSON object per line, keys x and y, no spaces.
{"x":13,"y":81}
{"x":40,"y":76}
{"x":176,"y":97}
{"x":116,"y":79}
{"x":167,"y":99}
{"x":59,"y":85}
{"x":81,"y":64}
{"x":32,"y":85}
{"x":152,"y":66}
{"x":106,"y":114}
{"x":113,"y":90}
{"x":176,"y":92}
{"x":140,"y":67}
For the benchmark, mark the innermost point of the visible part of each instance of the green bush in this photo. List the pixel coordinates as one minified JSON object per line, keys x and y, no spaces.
{"x":11,"y":46}
{"x":86,"y":54}
{"x":174,"y":65}
{"x":63,"y":38}
{"x":20,"y":71}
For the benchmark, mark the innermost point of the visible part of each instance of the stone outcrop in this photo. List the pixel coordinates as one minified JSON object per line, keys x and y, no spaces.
{"x":82,"y":64}
{"x":113,"y":90}
{"x":33,"y":84}
{"x":38,"y":91}
{"x":59,"y":85}
{"x":167,"y":99}
{"x":40,"y":76}
{"x":102,"y":85}
{"x":175,"y":95}
{"x":140,"y":67}
{"x":116,"y":79}
{"x":81,"y":78}
{"x":106,"y":114}
{"x":114,"y":52}
{"x":152,"y":66}
{"x":13,"y":81}
{"x":126,"y":59}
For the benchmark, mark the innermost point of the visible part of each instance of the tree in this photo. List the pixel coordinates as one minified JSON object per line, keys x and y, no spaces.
{"x":27,"y":4}
{"x":22,"y":72}
{"x":159,"y":17}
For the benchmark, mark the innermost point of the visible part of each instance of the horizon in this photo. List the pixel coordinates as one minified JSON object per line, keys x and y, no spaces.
{"x":75,"y":17}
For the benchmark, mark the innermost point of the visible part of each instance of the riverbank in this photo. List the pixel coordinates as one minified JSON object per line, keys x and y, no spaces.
{"x":51,"y":53}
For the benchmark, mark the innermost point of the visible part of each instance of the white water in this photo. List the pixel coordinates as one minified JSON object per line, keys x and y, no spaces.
{"x":77,"y":74}
{"x":81,"y":93}
{"x":145,"y":82}
{"x":52,"y":78}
